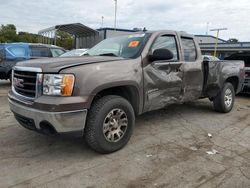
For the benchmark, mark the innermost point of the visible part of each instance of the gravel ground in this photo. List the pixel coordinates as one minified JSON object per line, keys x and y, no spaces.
{"x":168,"y":149}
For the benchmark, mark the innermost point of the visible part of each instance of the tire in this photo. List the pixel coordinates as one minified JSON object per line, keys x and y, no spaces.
{"x":106,"y":112}
{"x":222,"y":100}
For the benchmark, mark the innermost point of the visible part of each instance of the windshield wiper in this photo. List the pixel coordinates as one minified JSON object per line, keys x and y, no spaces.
{"x":108,"y":54}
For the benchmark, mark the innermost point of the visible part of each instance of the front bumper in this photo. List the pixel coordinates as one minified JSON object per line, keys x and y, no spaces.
{"x":62,"y":122}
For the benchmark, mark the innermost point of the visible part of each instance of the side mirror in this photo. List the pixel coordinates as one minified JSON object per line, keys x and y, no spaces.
{"x":161,"y":54}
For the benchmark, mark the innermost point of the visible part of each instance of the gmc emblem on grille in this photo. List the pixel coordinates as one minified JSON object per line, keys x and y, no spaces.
{"x":18,"y":82}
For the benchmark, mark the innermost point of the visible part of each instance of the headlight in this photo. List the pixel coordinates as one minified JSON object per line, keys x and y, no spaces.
{"x":58,"y":84}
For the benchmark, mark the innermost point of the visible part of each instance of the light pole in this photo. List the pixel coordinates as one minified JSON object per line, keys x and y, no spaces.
{"x":207,"y":28}
{"x":217,"y":36}
{"x":115,"y":13}
{"x":102,"y":21}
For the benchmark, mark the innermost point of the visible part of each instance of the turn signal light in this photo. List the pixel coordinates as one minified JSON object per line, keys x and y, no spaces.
{"x":67,"y":85}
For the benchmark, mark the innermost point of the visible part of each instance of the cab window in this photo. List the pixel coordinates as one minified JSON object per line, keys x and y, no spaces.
{"x":16,"y":51}
{"x":189,"y":49}
{"x":167,"y":42}
{"x":39,"y":51}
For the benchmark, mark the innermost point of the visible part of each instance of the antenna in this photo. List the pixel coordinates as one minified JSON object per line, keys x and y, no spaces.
{"x":207,"y":28}
{"x":102,"y":21}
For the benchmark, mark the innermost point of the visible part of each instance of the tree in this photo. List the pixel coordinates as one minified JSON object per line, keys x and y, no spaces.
{"x":64,"y":40}
{"x":233,"y":40}
{"x":27,"y":37}
{"x":8,"y":33}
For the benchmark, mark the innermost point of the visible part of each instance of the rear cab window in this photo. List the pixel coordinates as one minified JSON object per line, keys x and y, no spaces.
{"x":189,"y":49}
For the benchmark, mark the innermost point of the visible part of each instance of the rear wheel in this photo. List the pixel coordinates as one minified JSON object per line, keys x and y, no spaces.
{"x":224,"y":101}
{"x":110,"y":124}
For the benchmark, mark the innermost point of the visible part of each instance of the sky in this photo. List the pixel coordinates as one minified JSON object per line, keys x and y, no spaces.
{"x":192,"y":16}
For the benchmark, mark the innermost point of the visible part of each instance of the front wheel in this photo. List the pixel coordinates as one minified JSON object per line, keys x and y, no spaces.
{"x":224,"y":101}
{"x":110,"y":124}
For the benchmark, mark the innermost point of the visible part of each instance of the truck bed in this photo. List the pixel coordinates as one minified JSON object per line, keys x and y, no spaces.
{"x":216,"y":72}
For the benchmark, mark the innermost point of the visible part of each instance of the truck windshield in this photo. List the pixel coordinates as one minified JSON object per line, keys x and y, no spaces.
{"x":124,"y":46}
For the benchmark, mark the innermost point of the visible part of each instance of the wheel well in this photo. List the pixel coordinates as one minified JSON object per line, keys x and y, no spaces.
{"x":234,"y":81}
{"x":128,"y":92}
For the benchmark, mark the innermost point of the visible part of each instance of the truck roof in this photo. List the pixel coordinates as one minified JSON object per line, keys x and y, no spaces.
{"x":181,"y":33}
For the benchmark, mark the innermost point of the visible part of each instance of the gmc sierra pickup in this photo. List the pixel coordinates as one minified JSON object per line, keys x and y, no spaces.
{"x":99,"y":94}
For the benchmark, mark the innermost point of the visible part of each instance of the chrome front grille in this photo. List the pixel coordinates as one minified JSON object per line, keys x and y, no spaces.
{"x":26,"y":81}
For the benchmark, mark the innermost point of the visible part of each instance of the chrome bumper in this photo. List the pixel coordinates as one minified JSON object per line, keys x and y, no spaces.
{"x":63,"y":122}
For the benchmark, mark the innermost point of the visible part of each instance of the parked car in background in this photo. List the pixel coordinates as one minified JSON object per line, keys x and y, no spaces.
{"x":246,"y":58}
{"x":210,"y":58}
{"x":75,"y":52}
{"x":11,"y":53}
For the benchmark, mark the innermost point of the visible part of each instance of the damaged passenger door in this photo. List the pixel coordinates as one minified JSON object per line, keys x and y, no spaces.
{"x":162,"y":76}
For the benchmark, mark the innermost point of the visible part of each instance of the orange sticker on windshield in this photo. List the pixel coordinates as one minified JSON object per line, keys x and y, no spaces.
{"x":133,"y":44}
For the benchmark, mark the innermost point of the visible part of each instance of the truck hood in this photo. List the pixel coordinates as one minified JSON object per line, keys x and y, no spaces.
{"x":57,"y":64}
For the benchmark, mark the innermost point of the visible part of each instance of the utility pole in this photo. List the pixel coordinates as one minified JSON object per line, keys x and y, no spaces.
{"x":115,"y":13}
{"x":207,"y":28}
{"x":217,"y":37}
{"x":102,"y":21}
{"x":55,"y":37}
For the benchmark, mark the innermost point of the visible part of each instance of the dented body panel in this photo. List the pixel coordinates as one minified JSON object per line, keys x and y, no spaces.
{"x":218,"y":72}
{"x":171,"y":81}
{"x":162,"y":85}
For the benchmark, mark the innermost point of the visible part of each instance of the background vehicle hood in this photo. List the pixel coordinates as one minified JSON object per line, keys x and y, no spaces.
{"x":57,"y":64}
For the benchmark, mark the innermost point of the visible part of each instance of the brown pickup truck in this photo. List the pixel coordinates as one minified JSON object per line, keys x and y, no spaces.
{"x":99,"y":95}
